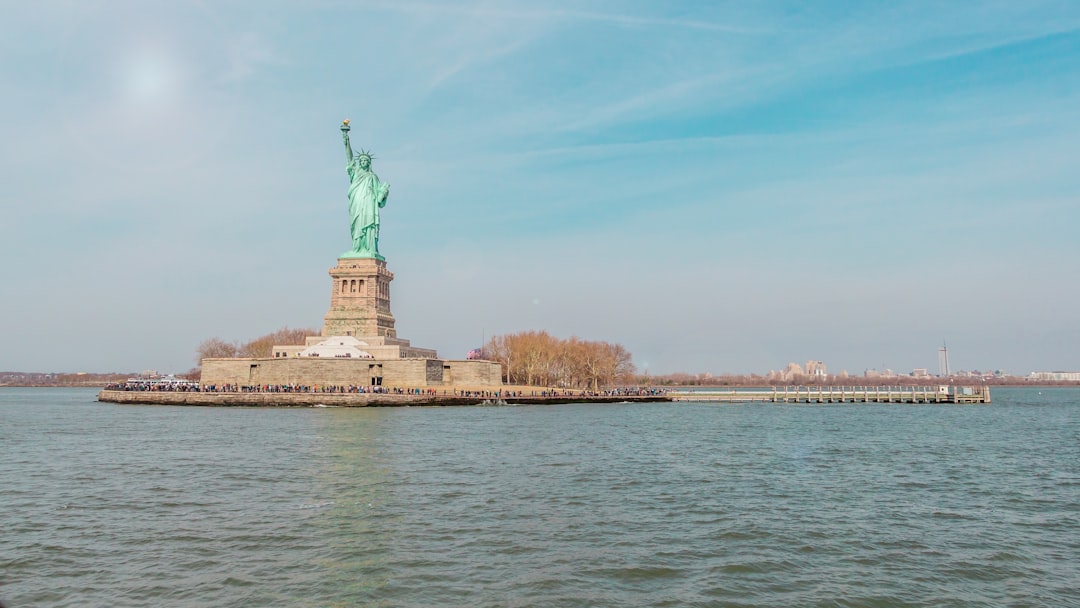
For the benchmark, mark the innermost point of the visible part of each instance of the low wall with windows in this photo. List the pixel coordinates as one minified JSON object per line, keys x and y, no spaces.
{"x":316,"y":371}
{"x":467,"y":373}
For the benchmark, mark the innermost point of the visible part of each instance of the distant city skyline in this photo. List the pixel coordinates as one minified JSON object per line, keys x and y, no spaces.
{"x":819,"y":369}
{"x":718,"y":188}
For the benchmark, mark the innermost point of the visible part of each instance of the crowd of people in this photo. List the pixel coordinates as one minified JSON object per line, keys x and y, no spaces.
{"x":146,"y":385}
{"x":614,"y":392}
{"x":293,"y":388}
{"x":195,"y":387}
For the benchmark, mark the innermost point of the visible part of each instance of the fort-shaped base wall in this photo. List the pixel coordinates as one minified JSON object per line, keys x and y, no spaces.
{"x":315,"y":371}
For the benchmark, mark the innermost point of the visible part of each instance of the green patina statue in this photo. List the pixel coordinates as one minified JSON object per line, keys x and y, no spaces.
{"x":366,"y":196}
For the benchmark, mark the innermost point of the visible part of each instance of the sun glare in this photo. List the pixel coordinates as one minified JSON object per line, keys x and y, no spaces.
{"x":149,"y":78}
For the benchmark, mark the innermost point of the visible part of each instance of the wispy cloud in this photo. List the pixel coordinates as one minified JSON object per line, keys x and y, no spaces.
{"x":679,"y":178}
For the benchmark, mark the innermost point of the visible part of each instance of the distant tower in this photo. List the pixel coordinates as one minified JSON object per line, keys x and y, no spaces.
{"x":943,"y":360}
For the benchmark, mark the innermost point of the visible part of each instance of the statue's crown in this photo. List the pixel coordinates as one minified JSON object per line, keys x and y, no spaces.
{"x":362,"y":153}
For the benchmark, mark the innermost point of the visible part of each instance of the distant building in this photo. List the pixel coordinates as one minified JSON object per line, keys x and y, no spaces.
{"x":920,"y":372}
{"x":816,"y":369}
{"x":1055,"y":376}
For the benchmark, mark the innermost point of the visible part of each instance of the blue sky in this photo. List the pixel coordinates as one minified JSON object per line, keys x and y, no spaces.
{"x":720,"y":187}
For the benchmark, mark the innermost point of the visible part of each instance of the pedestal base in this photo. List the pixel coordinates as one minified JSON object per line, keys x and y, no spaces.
{"x":360,"y":300}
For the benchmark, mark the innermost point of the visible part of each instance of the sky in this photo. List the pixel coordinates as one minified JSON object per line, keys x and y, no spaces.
{"x":720,"y":187}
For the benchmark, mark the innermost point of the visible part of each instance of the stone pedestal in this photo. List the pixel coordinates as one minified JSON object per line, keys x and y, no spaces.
{"x":360,"y":300}
{"x":359,"y":307}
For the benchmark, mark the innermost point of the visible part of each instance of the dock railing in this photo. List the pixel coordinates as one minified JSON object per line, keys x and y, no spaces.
{"x":841,"y":394}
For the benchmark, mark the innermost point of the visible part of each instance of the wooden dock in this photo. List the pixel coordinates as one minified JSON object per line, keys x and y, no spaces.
{"x":842,"y":394}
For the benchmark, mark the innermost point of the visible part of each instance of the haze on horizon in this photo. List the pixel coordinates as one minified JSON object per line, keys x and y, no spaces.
{"x":720,"y":188}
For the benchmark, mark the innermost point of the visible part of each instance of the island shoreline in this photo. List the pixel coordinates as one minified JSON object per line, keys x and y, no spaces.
{"x":273,"y":399}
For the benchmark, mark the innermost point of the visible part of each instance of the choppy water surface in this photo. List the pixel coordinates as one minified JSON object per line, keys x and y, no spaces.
{"x":569,"y":505}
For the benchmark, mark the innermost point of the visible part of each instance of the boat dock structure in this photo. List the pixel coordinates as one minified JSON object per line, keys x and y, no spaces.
{"x":841,"y":394}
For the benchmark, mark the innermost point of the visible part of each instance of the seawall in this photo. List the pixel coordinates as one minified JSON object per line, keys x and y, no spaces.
{"x":343,"y":399}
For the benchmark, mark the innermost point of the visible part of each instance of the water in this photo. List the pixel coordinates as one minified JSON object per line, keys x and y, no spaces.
{"x":568,"y":505}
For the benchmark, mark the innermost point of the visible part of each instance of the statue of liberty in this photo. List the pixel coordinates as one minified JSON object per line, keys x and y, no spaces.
{"x":366,"y":196}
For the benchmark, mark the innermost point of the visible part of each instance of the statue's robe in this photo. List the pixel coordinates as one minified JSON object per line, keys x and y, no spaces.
{"x":366,"y":195}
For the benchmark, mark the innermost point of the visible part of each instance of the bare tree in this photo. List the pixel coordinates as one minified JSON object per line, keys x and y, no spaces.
{"x":259,"y":348}
{"x":263,"y":346}
{"x":215,"y":348}
{"x":537,"y":358}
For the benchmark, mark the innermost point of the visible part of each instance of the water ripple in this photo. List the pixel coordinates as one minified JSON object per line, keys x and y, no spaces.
{"x":571,"y":505}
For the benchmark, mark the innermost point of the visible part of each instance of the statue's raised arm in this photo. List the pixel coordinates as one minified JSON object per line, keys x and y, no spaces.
{"x":345,"y":135}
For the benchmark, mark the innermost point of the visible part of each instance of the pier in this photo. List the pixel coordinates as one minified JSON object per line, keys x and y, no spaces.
{"x":842,"y":394}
